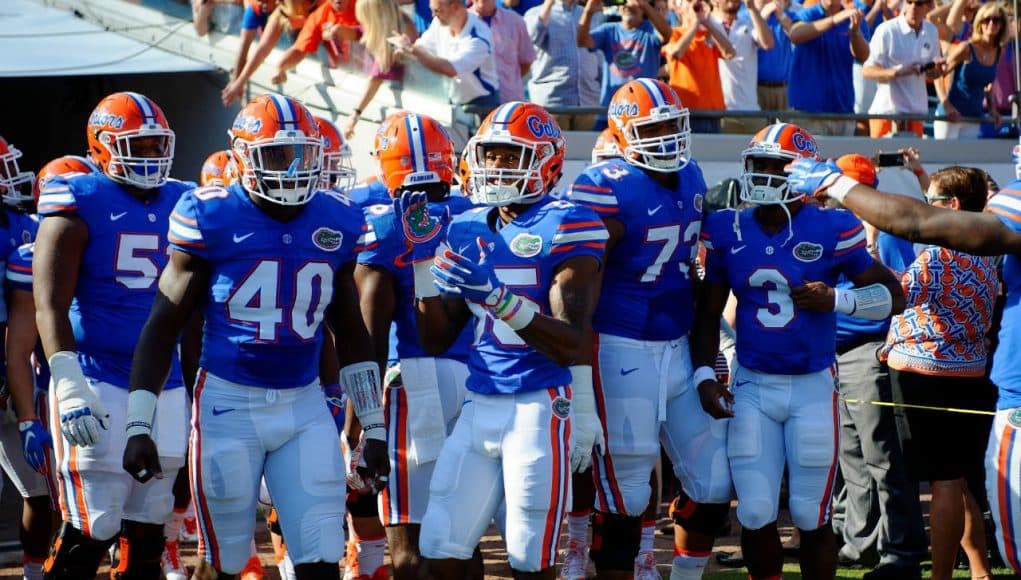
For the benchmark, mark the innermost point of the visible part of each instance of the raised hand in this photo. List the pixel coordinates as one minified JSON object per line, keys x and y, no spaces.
{"x":423,"y":232}
{"x":811,"y":176}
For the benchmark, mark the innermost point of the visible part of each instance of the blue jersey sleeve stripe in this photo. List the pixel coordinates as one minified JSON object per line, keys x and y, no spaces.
{"x":184,"y":232}
{"x":852,"y":241}
{"x":600,"y":235}
{"x":19,"y":278}
{"x":568,"y":247}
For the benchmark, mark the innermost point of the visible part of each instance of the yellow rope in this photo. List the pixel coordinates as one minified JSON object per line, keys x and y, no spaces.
{"x":922,"y":407}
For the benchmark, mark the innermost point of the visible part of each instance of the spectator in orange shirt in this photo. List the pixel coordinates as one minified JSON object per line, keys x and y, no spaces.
{"x":693,"y":55}
{"x":333,"y":24}
{"x":290,"y":16}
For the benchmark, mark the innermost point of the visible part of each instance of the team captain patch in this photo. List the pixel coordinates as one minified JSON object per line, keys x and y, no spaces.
{"x":327,"y":239}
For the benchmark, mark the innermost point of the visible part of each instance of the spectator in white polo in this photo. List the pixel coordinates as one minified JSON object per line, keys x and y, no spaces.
{"x":457,"y":45}
{"x":512,"y":47}
{"x":739,"y":76}
{"x":903,"y":53}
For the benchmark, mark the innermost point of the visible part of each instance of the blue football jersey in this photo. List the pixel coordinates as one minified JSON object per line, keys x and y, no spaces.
{"x":121,"y":264}
{"x":1006,"y":372}
{"x":525,"y":254}
{"x":647,"y":291}
{"x":368,"y":193}
{"x":385,"y":247}
{"x":21,"y":230}
{"x":773,"y":335}
{"x":271,"y":281}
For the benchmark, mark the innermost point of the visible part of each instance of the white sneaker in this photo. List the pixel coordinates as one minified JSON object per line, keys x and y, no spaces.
{"x":576,"y":562}
{"x":645,"y":567}
{"x":173,"y":569}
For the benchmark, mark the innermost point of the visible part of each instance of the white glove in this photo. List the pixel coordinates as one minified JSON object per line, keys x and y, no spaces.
{"x":588,"y":430}
{"x":81,"y":413}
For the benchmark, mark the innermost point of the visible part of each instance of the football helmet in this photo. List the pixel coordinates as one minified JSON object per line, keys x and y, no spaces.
{"x":464,"y":174}
{"x":277,"y":150}
{"x":130,"y":140}
{"x":540,"y":164}
{"x":218,"y":169}
{"x":413,"y":150}
{"x":779,"y":141}
{"x":63,"y":166}
{"x":338,"y":169}
{"x":605,"y":148}
{"x":15,"y":185}
{"x":650,"y":126}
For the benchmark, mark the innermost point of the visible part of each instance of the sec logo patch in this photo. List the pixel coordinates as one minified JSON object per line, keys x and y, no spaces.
{"x":561,"y":407}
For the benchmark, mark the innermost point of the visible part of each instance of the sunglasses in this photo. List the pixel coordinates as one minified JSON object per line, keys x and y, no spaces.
{"x":935,"y":198}
{"x":995,"y":19}
{"x":917,"y":1}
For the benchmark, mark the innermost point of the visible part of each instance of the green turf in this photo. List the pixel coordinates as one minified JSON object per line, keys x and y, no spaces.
{"x":790,"y":572}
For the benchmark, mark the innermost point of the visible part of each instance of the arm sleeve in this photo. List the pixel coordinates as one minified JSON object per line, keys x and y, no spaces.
{"x":57,"y":196}
{"x":526,"y":49}
{"x":311,"y":34}
{"x":537,"y":31}
{"x":580,"y":233}
{"x":471,"y":57}
{"x":1006,"y":205}
{"x":19,"y":269}
{"x":377,"y":244}
{"x":877,"y":50}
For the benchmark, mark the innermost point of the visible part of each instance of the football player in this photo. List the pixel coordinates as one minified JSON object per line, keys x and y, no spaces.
{"x":650,"y":198}
{"x":268,"y":261}
{"x":425,"y":398}
{"x":523,"y":270}
{"x":781,"y":258}
{"x":993,"y":232}
{"x":99,"y":252}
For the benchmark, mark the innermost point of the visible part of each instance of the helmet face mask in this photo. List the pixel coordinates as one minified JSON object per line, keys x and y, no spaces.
{"x":286,"y":169}
{"x":660,"y":141}
{"x":16,"y":186}
{"x":516,"y":157}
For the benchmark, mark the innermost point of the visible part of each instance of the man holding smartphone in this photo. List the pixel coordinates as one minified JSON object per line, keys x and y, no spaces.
{"x":903,"y":54}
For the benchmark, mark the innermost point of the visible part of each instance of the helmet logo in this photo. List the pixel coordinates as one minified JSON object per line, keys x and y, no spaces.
{"x":102,"y":118}
{"x":621,"y":109}
{"x":802,"y":143}
{"x":248,"y":123}
{"x":526,"y":245}
{"x":327,"y":239}
{"x":540,"y":128}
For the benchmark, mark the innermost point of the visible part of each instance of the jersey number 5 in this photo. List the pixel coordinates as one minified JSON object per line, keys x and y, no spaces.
{"x":256,"y":301}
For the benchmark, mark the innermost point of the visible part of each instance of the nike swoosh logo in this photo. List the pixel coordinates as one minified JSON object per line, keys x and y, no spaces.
{"x":741,"y":383}
{"x":116,"y":216}
{"x":654,"y":210}
{"x":238,"y":239}
{"x":627,"y":372}
{"x":218,"y":412}
{"x":736,"y":249}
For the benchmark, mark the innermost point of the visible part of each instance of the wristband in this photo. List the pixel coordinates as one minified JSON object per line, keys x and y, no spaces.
{"x":844,"y":301}
{"x":514,"y":311}
{"x":703,"y":374}
{"x":838,"y":191}
{"x":141,"y":411}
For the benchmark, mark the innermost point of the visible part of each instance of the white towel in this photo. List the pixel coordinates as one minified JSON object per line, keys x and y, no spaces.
{"x":427,"y":429}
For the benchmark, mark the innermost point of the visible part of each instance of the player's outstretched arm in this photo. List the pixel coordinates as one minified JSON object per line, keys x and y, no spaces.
{"x":972,"y":232}
{"x":360,"y":372}
{"x":709,"y":306}
{"x":182,"y":289}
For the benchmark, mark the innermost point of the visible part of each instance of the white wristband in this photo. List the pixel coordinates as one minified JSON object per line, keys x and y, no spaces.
{"x":703,"y":374}
{"x":514,"y":311}
{"x":424,"y":287}
{"x":838,"y":191}
{"x":141,"y":412}
{"x":844,"y":301}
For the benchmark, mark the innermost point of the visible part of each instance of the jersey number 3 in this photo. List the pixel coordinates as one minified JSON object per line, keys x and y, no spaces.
{"x":256,"y":301}
{"x":779,"y":311}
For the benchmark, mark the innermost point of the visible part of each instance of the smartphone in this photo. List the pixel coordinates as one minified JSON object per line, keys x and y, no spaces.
{"x":614,"y":2}
{"x":891,"y":160}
